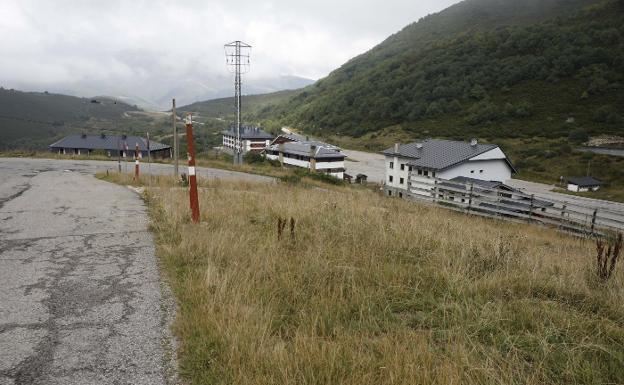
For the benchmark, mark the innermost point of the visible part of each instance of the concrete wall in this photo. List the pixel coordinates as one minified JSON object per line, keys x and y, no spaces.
{"x":321,"y":167}
{"x":396,"y":172}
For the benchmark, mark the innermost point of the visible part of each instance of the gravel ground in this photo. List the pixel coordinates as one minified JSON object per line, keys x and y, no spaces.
{"x":81,"y":297}
{"x":367,"y":163}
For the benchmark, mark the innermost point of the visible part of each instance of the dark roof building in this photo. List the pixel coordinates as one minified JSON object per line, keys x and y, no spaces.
{"x":439,"y":155}
{"x":585,"y":181}
{"x":318,"y":150}
{"x":79,"y":144}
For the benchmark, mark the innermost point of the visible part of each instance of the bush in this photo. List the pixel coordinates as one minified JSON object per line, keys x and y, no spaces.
{"x":607,"y":114}
{"x":579,"y":135}
{"x":254,"y":158}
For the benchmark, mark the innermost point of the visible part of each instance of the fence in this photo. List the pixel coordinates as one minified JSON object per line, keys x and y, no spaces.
{"x":509,"y":204}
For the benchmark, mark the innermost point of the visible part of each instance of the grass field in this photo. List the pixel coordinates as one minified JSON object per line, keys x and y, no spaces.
{"x":371,"y":290}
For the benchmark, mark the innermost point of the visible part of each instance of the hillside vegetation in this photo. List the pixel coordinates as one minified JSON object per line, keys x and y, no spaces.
{"x":539,"y":77}
{"x":224,"y":108}
{"x":33,"y":120}
{"x":371,"y":290}
{"x":481,"y":82}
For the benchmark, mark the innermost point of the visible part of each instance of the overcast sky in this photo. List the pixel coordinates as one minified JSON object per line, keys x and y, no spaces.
{"x":147,"y":48}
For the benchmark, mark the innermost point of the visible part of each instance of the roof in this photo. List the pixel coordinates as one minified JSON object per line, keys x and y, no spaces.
{"x":107,"y":142}
{"x":293,"y":137}
{"x":249,"y":132}
{"x":437,"y":154}
{"x":322,"y":150}
{"x":585,"y":181}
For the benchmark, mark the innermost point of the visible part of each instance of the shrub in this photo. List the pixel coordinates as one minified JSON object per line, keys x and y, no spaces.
{"x":254,"y":158}
{"x":579,"y":135}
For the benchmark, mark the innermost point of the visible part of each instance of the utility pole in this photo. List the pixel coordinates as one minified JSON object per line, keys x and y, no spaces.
{"x":119,"y":154}
{"x":237,"y":56}
{"x":175,"y":141}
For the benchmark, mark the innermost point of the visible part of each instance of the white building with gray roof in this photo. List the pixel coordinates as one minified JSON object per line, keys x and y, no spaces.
{"x":413,"y":167}
{"x":252,"y":139}
{"x":312,"y":155}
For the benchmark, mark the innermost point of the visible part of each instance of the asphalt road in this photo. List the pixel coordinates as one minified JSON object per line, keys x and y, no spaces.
{"x":92,"y":166}
{"x":81,"y":300}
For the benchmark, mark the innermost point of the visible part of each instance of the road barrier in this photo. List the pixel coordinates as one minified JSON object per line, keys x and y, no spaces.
{"x":510,"y":204}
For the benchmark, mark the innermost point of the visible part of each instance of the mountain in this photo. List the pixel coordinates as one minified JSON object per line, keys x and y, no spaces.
{"x":488,"y":68}
{"x":224,"y":108}
{"x":192,"y":91}
{"x":33,"y":120}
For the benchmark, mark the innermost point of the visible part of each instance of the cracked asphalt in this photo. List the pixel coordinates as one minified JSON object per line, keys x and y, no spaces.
{"x":81,"y":299}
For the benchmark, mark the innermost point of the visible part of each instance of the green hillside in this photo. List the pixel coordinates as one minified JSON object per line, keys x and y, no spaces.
{"x":32,"y":120}
{"x":538,"y":77}
{"x":224,"y":108}
{"x":447,"y":67}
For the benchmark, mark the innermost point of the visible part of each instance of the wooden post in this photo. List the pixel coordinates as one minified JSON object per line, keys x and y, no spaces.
{"x":136,"y":162}
{"x":149,"y":160}
{"x":563,"y":210}
{"x":593,"y":222}
{"x":175,"y":142}
{"x":191,"y":170}
{"x":470,"y":197}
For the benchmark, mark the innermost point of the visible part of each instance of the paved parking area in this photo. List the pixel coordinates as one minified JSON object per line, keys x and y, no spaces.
{"x":81,"y":299}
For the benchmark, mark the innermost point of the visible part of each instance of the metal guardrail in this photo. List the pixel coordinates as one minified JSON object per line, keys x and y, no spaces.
{"x":513,"y":205}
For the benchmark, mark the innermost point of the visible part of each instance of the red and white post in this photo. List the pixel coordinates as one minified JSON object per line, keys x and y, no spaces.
{"x":136,"y":162}
{"x":191,"y":170}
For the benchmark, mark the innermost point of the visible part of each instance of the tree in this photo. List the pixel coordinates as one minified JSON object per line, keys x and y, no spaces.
{"x":579,"y":135}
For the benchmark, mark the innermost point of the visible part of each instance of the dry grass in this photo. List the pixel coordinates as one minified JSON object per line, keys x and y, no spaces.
{"x":373,"y":290}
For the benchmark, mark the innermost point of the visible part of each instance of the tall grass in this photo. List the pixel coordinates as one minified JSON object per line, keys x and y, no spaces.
{"x":372,"y":290}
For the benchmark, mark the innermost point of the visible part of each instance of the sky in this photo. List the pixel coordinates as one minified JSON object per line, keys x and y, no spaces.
{"x":152,"y":50}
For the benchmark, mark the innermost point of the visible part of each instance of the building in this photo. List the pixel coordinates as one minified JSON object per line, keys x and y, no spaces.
{"x":413,"y":168}
{"x":109,"y":145}
{"x":252,"y":138}
{"x":584,"y":184}
{"x":312,"y":155}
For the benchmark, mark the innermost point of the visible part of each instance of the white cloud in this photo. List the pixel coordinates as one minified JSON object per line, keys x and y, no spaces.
{"x":147,"y":48}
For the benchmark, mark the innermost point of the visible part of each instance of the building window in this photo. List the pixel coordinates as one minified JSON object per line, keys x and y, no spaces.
{"x":389,"y":193}
{"x":472,"y":171}
{"x":433,"y":174}
{"x":419,"y":172}
{"x":410,"y":168}
{"x":426,"y":173}
{"x":480,"y":171}
{"x":402,"y":181}
{"x":390,"y":178}
{"x":391,"y":165}
{"x":402,"y":167}
{"x":400,"y":195}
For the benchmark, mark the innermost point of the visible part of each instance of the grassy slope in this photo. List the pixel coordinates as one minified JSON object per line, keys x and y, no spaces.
{"x":373,"y":290}
{"x":31,"y":120}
